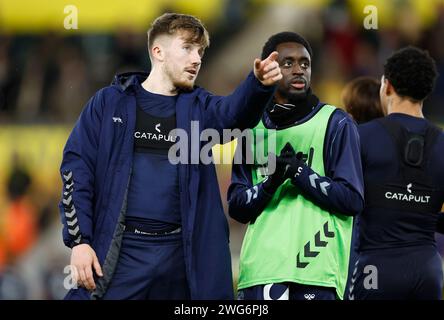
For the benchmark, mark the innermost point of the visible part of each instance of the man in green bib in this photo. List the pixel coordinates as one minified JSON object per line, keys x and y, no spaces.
{"x":299,"y":206}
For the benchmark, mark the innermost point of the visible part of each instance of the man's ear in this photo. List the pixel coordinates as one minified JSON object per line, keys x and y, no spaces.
{"x":157,"y":52}
{"x":159,"y":48}
{"x":389,"y":89}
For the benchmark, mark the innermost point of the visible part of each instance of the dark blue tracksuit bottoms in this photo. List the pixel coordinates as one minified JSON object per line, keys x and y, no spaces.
{"x":413,"y":273}
{"x":150,"y":268}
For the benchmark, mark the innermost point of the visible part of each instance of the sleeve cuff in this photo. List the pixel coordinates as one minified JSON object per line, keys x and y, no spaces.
{"x":268,"y":194}
{"x":306,"y":170}
{"x":72,"y":244}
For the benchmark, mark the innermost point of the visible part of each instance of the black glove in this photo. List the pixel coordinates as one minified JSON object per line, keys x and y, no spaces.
{"x":295,"y":164}
{"x":287,"y":150}
{"x":273,"y":181}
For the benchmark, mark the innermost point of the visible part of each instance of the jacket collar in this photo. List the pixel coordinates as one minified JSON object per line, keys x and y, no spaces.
{"x":124,"y":81}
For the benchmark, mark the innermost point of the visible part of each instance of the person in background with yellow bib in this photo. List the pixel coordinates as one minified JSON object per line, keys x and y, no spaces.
{"x":300,"y":215}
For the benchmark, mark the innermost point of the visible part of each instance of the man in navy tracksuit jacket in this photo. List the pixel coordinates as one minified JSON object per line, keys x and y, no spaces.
{"x":98,"y":166}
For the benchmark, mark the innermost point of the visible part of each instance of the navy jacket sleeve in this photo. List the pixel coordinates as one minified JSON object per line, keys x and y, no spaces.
{"x":242,"y":109}
{"x":245,"y":200}
{"x":77,"y":172}
{"x":341,"y":189}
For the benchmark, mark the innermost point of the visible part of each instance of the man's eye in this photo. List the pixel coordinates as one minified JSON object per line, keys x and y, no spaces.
{"x":305,"y":65}
{"x":186,"y":47}
{"x":287,"y":64}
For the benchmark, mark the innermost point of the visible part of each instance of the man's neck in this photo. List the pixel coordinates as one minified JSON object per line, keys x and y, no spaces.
{"x":406,"y":106}
{"x":290,"y":115}
{"x":157,"y":82}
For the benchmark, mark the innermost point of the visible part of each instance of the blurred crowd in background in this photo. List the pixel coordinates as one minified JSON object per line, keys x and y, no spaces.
{"x":48,"y":73}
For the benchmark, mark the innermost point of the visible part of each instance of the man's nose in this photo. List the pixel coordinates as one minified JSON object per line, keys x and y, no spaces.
{"x":297,"y":69}
{"x":196,"y":58}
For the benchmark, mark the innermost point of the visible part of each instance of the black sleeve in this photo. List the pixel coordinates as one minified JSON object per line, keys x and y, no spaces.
{"x":245,"y":200}
{"x":341,"y":189}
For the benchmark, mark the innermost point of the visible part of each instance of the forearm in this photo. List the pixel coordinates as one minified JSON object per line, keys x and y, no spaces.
{"x":76,"y":203}
{"x":246,"y":204}
{"x":77,"y":173}
{"x":250,"y":102}
{"x":335,"y":195}
{"x":241,"y":109}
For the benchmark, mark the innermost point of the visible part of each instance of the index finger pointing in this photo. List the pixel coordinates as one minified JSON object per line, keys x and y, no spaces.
{"x":257,"y":63}
{"x":273,"y":56}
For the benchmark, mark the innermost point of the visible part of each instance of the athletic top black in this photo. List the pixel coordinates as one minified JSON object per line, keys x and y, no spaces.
{"x":403,"y":185}
{"x":153,"y":195}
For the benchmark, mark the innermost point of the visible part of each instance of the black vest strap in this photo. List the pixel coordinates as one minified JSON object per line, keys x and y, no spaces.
{"x":411,"y":188}
{"x":413,"y":149}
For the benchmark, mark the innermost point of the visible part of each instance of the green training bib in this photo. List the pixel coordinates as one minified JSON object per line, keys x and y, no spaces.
{"x":294,"y":240}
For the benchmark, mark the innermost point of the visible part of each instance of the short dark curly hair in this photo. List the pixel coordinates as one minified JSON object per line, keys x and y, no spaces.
{"x":281,"y":37}
{"x":412,"y":73}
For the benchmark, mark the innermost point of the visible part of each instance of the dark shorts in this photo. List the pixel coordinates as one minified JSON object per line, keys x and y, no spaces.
{"x":413,"y":273}
{"x":150,"y":267}
{"x":287,"y":291}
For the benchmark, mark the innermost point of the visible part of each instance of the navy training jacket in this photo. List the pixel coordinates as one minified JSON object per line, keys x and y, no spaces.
{"x":96,"y":169}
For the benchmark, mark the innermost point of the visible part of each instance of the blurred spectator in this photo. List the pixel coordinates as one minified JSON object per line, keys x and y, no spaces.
{"x":19,"y":221}
{"x":8,"y":77}
{"x":366,"y":62}
{"x":361,"y":99}
{"x":341,"y":35}
{"x":12,"y":285}
{"x":433,"y":41}
{"x":131,"y":50}
{"x":48,"y":77}
{"x":70,"y":92}
{"x":2,"y":255}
